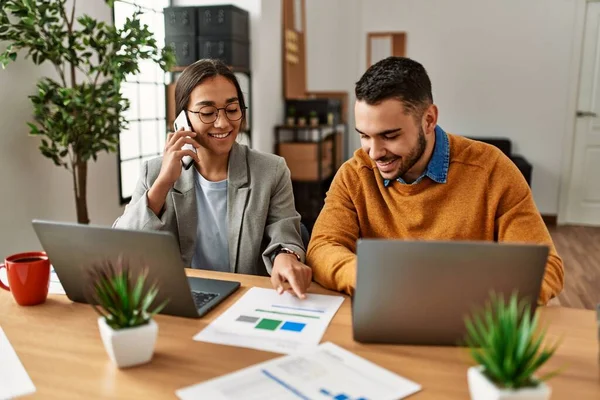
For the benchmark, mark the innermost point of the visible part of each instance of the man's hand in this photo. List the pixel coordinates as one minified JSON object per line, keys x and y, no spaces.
{"x":287,"y":268}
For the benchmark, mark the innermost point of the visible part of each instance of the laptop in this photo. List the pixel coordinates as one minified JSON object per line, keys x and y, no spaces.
{"x":73,"y":249}
{"x":419,"y":292}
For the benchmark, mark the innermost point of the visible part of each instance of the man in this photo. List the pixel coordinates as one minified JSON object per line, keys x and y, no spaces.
{"x":412,"y":180}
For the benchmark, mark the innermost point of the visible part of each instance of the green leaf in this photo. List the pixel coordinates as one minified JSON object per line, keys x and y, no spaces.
{"x":502,"y":339}
{"x":121,"y":296}
{"x":137,"y":291}
{"x":33,"y":130}
{"x":159,"y":308}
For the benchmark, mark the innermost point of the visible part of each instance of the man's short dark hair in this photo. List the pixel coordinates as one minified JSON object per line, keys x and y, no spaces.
{"x":396,"y":78}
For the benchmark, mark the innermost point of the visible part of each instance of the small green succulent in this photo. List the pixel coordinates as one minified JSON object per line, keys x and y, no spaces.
{"x":503,"y":338}
{"x":123,"y":299}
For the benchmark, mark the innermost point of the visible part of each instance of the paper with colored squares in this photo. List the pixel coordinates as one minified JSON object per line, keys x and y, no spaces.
{"x":265,"y":320}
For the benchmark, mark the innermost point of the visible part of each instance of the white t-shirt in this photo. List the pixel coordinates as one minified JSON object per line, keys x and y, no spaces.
{"x":212,"y":245}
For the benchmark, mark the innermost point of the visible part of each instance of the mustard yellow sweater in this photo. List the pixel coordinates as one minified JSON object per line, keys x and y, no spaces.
{"x":485,"y":198}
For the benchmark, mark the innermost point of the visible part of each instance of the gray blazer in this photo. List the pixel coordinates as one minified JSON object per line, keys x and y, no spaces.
{"x":261,"y":214}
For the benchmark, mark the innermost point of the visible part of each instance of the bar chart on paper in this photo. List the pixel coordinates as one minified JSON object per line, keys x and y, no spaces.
{"x":325,"y":373}
{"x":265,"y":320}
{"x":339,"y":396}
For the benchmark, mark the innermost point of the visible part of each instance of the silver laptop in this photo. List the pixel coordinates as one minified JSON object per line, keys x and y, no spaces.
{"x":73,"y":249}
{"x":419,"y":292}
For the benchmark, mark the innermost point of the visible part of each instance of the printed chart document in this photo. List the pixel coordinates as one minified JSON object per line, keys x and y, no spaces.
{"x":265,"y":320}
{"x":14,"y":380}
{"x":326,"y":372}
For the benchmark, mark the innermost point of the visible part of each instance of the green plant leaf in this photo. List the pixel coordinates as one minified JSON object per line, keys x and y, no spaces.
{"x":121,"y":295}
{"x":137,"y":291}
{"x":502,"y":339}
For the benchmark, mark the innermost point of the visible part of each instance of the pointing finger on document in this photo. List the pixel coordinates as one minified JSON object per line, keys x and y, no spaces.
{"x":286,"y":268}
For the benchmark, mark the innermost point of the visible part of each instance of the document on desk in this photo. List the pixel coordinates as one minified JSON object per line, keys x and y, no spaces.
{"x":265,"y":320}
{"x":14,"y":380}
{"x":326,"y":372}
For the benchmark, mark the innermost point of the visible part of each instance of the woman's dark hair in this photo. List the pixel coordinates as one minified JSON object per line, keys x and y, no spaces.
{"x":399,"y":78}
{"x":197,"y":73}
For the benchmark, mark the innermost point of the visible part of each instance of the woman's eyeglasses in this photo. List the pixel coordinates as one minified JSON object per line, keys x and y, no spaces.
{"x":209,"y":114}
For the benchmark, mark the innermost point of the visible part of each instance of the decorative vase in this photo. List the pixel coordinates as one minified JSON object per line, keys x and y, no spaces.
{"x":130,"y":346}
{"x":481,"y":388}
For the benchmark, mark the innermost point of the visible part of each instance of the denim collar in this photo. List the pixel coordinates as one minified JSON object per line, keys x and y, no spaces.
{"x":437,"y":169}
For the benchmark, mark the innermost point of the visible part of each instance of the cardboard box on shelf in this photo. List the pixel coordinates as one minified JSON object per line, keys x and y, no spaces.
{"x":308,"y":171}
{"x":306,"y":151}
{"x":302,"y":159}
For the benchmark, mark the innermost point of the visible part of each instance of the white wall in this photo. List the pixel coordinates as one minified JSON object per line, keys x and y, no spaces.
{"x":267,"y":74}
{"x":498,"y":68}
{"x":32,"y":187}
{"x":333,"y":62}
{"x":265,"y":65}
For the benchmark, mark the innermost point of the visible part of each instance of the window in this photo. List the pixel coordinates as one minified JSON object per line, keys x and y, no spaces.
{"x":145,"y":137}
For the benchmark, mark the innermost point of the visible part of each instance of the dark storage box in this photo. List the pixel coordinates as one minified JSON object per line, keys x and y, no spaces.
{"x":224,"y":21}
{"x":185,"y":49}
{"x":233,"y":52}
{"x":181,"y":21}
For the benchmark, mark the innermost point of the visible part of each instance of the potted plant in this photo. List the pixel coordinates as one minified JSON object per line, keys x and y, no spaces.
{"x":126,"y":322}
{"x":313,"y":118}
{"x":291,"y":116}
{"x":504,"y":340}
{"x":79,"y":111}
{"x":301,"y":121}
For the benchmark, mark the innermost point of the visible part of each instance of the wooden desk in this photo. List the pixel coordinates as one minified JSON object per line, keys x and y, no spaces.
{"x":59,"y":345}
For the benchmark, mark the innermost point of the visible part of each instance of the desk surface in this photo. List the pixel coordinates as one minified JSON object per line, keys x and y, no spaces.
{"x":59,"y":344}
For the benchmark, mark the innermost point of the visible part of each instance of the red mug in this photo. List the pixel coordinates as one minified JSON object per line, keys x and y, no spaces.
{"x":28,"y":277}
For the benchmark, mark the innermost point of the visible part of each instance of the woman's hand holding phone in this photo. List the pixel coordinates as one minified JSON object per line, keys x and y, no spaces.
{"x":170,"y":169}
{"x":179,"y":144}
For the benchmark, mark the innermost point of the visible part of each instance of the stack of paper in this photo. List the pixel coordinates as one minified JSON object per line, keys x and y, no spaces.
{"x":14,"y":380}
{"x":264,"y":320}
{"x":326,"y":372}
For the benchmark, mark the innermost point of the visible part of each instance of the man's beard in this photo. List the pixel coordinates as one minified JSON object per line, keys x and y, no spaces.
{"x":406,"y":163}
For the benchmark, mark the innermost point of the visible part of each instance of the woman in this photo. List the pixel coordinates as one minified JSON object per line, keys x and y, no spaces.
{"x":234,"y":211}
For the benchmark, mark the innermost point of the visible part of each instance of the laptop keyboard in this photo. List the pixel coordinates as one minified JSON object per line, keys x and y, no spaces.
{"x":202,"y":298}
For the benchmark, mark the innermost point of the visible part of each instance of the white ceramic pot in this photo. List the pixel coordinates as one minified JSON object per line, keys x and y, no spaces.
{"x":481,"y":388}
{"x":130,"y":346}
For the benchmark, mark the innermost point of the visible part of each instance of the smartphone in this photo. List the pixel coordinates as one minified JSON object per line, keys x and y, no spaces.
{"x":182,"y":122}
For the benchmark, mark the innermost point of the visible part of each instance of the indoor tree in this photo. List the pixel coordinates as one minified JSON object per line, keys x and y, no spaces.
{"x":79,"y":111}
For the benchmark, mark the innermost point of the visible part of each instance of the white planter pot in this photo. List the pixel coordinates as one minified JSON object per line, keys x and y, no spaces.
{"x":481,"y":388}
{"x":131,"y":346}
